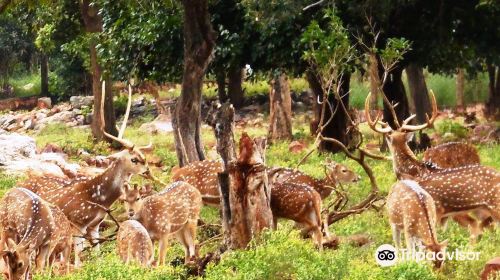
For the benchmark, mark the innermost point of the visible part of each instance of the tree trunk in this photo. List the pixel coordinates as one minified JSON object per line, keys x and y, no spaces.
{"x":374,"y":79}
{"x":109,"y":110}
{"x":235,"y":86}
{"x":93,"y":24}
{"x":220,"y":77}
{"x":493,"y":103}
{"x":280,"y":103}
{"x":337,"y":127}
{"x":395,"y":92}
{"x":199,"y":42}
{"x":44,"y":75}
{"x":245,"y":209}
{"x":418,"y":91}
{"x":460,"y":91}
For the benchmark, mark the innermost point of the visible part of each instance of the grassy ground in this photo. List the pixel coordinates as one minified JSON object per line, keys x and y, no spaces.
{"x":281,"y":254}
{"x":26,"y":85}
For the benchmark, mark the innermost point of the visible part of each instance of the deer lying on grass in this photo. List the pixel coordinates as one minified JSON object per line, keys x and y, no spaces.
{"x":452,"y":195}
{"x":134,"y":243}
{"x":412,"y":210}
{"x":451,"y":155}
{"x":27,"y":227}
{"x":174,"y":210}
{"x":203,"y":175}
{"x":86,"y":200}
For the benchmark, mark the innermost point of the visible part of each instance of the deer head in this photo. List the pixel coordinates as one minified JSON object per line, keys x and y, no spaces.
{"x":404,"y":161}
{"x":17,"y":262}
{"x":132,"y":158}
{"x":339,"y":173}
{"x":132,"y":198}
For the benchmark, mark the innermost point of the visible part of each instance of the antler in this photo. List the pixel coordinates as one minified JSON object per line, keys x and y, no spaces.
{"x":127,"y":113}
{"x":373,"y":124}
{"x":124,"y":142}
{"x":429,"y":122}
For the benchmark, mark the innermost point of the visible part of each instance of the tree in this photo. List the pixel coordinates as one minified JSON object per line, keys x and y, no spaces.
{"x":199,"y":42}
{"x":93,"y":24}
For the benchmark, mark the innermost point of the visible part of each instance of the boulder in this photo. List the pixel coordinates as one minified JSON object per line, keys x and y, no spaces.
{"x":44,"y":103}
{"x":15,"y":147}
{"x":79,"y":101}
{"x":162,"y":124}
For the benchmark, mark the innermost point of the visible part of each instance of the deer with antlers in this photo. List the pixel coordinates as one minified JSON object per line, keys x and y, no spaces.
{"x":27,"y":227}
{"x":134,"y":243}
{"x":456,"y":191}
{"x":86,"y":200}
{"x":412,"y":210}
{"x":173,"y":211}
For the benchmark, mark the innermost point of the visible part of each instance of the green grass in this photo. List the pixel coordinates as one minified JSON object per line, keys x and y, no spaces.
{"x":26,"y":85}
{"x":281,"y":254}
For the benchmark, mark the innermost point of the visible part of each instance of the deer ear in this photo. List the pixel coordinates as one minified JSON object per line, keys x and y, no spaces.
{"x":409,"y":136}
{"x":11,"y":244}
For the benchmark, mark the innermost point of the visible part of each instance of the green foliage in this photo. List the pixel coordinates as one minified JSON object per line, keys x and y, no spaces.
{"x":394,"y":51}
{"x":328,"y":47}
{"x":142,"y":40}
{"x":70,"y":139}
{"x":43,"y":40}
{"x":457,"y":130}
{"x":25,"y":85}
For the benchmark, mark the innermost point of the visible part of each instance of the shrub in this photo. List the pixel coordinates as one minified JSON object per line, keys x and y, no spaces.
{"x":457,"y":130}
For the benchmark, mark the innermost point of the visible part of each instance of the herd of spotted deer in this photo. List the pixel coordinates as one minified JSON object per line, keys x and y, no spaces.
{"x":46,"y":218}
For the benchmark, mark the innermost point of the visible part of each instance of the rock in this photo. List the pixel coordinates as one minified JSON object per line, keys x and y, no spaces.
{"x":52,"y":148}
{"x":137,"y":110}
{"x":64,"y":116}
{"x":162,"y":124}
{"x":491,"y":269}
{"x":44,"y":103}
{"x":40,"y":116}
{"x":54,"y":111}
{"x":88,"y":118}
{"x":79,"y":101}
{"x":14,"y":147}
{"x":296,"y":147}
{"x":80,"y":119}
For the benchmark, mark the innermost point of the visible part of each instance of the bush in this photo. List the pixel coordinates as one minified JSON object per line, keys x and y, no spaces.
{"x":452,"y":130}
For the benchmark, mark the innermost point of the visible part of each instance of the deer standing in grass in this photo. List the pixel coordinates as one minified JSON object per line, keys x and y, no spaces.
{"x":27,"y":227}
{"x":85,"y":200}
{"x":456,"y":191}
{"x":134,"y":243}
{"x":172,"y":211}
{"x":62,"y":239}
{"x":413,"y":211}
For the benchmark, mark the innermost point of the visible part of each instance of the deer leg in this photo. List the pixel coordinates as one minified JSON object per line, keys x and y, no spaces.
{"x":191,"y":238}
{"x":94,"y":235}
{"x":396,"y":235}
{"x":472,"y":224}
{"x":163,"y":250}
{"x":41,"y":258}
{"x":78,"y":245}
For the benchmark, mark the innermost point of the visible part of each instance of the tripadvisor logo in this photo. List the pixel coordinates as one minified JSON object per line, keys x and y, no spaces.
{"x":388,"y":255}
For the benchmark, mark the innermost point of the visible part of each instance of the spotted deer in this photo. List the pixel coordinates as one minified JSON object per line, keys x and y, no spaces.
{"x":300,"y":203}
{"x":174,"y":210}
{"x":452,"y":196}
{"x":451,"y":155}
{"x":412,"y":210}
{"x":85,"y":200}
{"x":335,"y":174}
{"x":62,"y":239}
{"x":203,"y":175}
{"x":134,"y":244}
{"x":27,"y":226}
